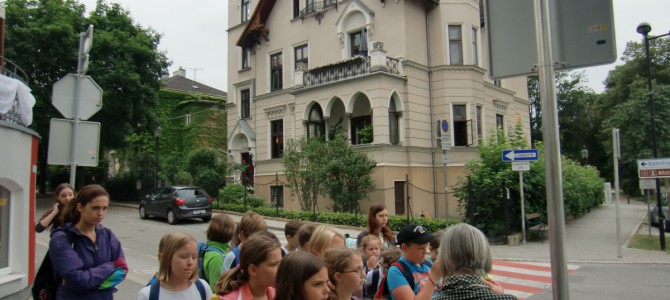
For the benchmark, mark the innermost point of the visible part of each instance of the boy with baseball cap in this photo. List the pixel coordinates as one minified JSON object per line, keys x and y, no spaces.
{"x":413,"y":280}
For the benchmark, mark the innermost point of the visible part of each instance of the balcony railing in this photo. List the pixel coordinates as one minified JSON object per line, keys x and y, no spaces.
{"x":355,"y":67}
{"x":348,"y":69}
{"x":10,"y":69}
{"x":316,"y":7}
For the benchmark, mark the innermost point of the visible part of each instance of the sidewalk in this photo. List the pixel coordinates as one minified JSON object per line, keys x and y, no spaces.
{"x":592,"y":239}
{"x":588,"y":239}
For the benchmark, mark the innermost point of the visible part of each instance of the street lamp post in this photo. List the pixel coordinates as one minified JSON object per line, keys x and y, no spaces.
{"x":644,"y":29}
{"x":157,"y":134}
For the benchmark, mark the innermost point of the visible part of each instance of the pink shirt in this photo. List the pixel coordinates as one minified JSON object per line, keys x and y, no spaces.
{"x":244,"y":293}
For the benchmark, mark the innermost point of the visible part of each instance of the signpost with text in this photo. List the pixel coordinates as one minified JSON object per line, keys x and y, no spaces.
{"x":520,"y":160}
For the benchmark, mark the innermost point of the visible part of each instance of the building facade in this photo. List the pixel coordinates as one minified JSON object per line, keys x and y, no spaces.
{"x":414,"y":72}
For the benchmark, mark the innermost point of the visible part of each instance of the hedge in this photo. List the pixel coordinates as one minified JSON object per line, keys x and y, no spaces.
{"x":347,"y":219}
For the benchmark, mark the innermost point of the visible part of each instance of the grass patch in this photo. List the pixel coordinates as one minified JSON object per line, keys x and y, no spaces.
{"x":646,"y":242}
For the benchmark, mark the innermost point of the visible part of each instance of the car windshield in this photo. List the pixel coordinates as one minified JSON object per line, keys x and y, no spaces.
{"x":192,"y":193}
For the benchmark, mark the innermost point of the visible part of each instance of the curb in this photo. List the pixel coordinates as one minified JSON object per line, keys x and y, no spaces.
{"x":136,"y":206}
{"x":608,"y":262}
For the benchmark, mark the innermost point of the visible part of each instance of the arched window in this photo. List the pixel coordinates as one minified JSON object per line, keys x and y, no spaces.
{"x":315,"y":125}
{"x":394,"y":132}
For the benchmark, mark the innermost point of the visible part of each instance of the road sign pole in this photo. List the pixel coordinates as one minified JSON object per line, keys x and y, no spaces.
{"x":615,"y":150}
{"x":646,"y":199}
{"x":523,"y":207}
{"x":552,"y":153}
{"x":75,"y":130}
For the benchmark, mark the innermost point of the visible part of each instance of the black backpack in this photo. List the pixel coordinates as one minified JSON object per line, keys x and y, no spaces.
{"x":47,"y":279}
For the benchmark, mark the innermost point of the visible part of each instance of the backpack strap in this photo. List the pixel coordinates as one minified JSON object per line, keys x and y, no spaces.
{"x":236,"y":251}
{"x":404,"y":268}
{"x":375,"y":277}
{"x":201,"y":289}
{"x":154,"y":290}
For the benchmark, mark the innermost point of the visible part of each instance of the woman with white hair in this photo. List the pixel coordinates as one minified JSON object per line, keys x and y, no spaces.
{"x":464,"y":260}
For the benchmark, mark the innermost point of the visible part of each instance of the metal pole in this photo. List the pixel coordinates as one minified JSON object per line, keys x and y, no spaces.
{"x":446,"y":189}
{"x":552,"y":153}
{"x":523,"y":207}
{"x":407,"y":196}
{"x":615,"y":150}
{"x":75,"y":114}
{"x":661,"y":218}
{"x":156,"y":166}
{"x":646,"y":198}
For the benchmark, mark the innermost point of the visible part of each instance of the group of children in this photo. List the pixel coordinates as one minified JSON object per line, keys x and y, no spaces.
{"x":246,"y":261}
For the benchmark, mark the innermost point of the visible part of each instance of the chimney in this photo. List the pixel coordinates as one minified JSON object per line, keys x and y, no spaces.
{"x":181,"y":72}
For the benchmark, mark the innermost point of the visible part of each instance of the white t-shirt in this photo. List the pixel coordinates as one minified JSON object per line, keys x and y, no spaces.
{"x":189,"y":294}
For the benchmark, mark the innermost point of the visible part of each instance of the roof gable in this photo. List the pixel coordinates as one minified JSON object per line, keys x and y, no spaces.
{"x":183,"y":84}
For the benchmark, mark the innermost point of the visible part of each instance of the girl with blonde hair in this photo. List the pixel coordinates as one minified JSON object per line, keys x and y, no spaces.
{"x":178,"y":271}
{"x":323,"y":239}
{"x":345,"y":272}
{"x":255,"y":276}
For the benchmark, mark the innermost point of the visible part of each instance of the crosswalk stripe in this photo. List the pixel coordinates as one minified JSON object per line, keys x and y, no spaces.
{"x":523,"y":279}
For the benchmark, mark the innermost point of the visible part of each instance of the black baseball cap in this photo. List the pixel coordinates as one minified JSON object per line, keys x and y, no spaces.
{"x":414,"y":233}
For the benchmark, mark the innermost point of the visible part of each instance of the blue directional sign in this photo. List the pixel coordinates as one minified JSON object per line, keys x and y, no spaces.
{"x":520,"y":155}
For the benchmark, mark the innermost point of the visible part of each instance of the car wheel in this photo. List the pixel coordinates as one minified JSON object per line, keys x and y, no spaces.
{"x":206,"y":219}
{"x":143,"y":212}
{"x":171,"y":218}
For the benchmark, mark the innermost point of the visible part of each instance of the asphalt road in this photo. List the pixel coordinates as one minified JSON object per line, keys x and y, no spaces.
{"x":139,"y":239}
{"x":616,"y":281}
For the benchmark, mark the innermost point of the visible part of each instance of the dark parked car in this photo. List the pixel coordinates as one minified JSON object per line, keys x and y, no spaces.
{"x":666,"y":213}
{"x":176,"y":203}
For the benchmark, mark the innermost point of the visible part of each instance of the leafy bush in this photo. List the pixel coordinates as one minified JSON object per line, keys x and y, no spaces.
{"x":234,"y":194}
{"x":347,"y":219}
{"x":182,"y":178}
{"x":480,"y":192}
{"x":209,"y":180}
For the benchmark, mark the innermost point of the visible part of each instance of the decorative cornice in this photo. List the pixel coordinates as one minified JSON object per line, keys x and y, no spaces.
{"x":458,"y":68}
{"x":497,"y":88}
{"x":500,"y":106}
{"x":275,"y":113}
{"x":272,"y":94}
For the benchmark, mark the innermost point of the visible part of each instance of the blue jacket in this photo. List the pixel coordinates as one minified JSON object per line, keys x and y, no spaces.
{"x":86,"y":268}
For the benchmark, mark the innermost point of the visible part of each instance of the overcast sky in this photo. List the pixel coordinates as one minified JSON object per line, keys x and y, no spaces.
{"x":194,"y":33}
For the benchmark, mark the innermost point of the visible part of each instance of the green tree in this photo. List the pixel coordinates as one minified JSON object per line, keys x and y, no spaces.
{"x":574,"y":102}
{"x":625,"y":105}
{"x":42,"y":37}
{"x":348,"y":174}
{"x":304,"y":173}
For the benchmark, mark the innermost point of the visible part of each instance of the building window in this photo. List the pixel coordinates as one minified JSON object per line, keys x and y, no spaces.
{"x":455,"y":45}
{"x":276,"y":71}
{"x":277,"y":135}
{"x":296,"y":8}
{"x":474,"y":47}
{"x":359,"y":45}
{"x":301,"y":56}
{"x":497,"y":82}
{"x":361,"y":130}
{"x":460,"y":125}
{"x":187,"y":119}
{"x":246,"y":56}
{"x":316,"y":127}
{"x":478,"y":113}
{"x":245,"y":11}
{"x":277,"y":195}
{"x":500,"y":122}
{"x":5,"y":207}
{"x":394,"y":124}
{"x":245,"y":101}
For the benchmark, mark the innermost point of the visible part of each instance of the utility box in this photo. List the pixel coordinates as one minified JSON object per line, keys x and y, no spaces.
{"x":513,"y":240}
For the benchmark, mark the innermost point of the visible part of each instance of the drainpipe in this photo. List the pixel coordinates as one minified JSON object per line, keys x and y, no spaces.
{"x":432,"y":123}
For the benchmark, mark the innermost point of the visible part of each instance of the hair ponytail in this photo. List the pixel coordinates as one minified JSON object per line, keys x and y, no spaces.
{"x":232,"y":280}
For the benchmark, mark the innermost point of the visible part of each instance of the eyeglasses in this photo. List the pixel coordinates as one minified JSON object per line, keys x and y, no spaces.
{"x":360,"y":271}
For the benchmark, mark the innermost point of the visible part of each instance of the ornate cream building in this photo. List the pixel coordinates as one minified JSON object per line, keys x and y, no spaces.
{"x":301,"y":67}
